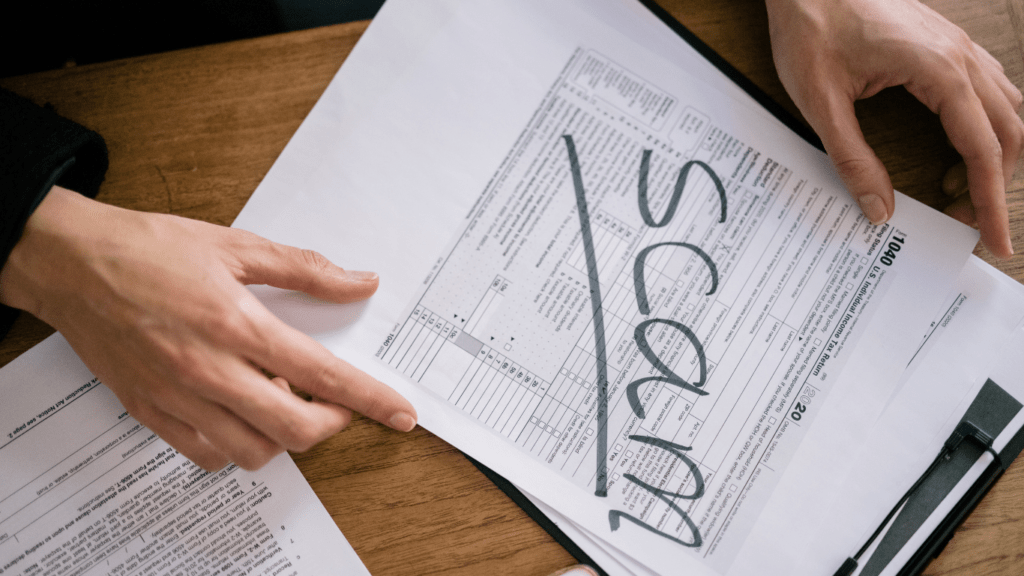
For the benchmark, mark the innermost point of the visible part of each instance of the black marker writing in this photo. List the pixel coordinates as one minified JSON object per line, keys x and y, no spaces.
{"x":601,"y":489}
{"x":670,"y":377}
{"x":677,"y":193}
{"x":641,"y":260}
{"x":614,"y":516}
{"x":640,"y":336}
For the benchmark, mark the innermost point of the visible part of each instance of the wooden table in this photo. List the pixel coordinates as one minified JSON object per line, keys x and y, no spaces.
{"x":193,"y":132}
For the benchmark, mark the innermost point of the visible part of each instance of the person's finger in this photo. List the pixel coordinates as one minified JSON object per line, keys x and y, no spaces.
{"x":263,"y":340}
{"x":998,"y":74}
{"x":281,"y":383}
{"x":954,"y":183}
{"x":292,"y":422}
{"x":1008,"y":126}
{"x":234,"y":438}
{"x":309,"y":366}
{"x":182,"y":437}
{"x":832,"y":117}
{"x":264,"y":262}
{"x":345,"y":413}
{"x":969,"y":129}
{"x":961,"y":209}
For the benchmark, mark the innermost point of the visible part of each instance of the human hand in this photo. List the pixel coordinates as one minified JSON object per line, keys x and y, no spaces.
{"x":156,"y":307}
{"x":830,"y":53}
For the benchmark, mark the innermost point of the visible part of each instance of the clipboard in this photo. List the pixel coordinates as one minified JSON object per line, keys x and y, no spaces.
{"x":991,"y":410}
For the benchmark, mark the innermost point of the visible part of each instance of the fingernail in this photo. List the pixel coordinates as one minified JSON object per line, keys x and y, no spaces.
{"x":873,"y":207}
{"x":360,"y":276}
{"x":402,"y":421}
{"x":954,"y":183}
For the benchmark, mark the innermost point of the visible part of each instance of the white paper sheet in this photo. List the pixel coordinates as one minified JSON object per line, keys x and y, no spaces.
{"x":1009,"y":373}
{"x":607,"y":557}
{"x":85,"y":489}
{"x":976,"y":336}
{"x":448,"y":119}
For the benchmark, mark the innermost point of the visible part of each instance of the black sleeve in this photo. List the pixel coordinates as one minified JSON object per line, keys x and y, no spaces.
{"x":39,"y":149}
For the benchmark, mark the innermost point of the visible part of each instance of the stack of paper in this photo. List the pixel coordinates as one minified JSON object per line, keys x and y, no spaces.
{"x":86,"y":489}
{"x":611,"y":276}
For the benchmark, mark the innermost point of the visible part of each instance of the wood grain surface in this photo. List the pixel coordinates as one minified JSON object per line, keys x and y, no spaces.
{"x":193,"y":132}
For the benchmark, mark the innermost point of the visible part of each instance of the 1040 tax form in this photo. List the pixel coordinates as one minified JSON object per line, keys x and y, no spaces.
{"x":606,"y":273}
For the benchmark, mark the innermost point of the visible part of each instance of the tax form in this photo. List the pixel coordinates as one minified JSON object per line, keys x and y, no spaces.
{"x":635,"y":295}
{"x":977,"y":336}
{"x":85,"y":489}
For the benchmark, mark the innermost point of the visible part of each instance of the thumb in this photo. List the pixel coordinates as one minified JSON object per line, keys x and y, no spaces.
{"x":859,"y":168}
{"x":260,"y":261}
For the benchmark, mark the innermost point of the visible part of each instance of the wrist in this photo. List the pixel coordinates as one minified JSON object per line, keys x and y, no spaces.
{"x":33,"y":266}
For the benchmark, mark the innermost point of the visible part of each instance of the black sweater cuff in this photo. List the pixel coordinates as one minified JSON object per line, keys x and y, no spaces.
{"x":38,"y":149}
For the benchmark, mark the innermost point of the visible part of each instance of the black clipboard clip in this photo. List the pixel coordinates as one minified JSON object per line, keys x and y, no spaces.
{"x":965,"y":431}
